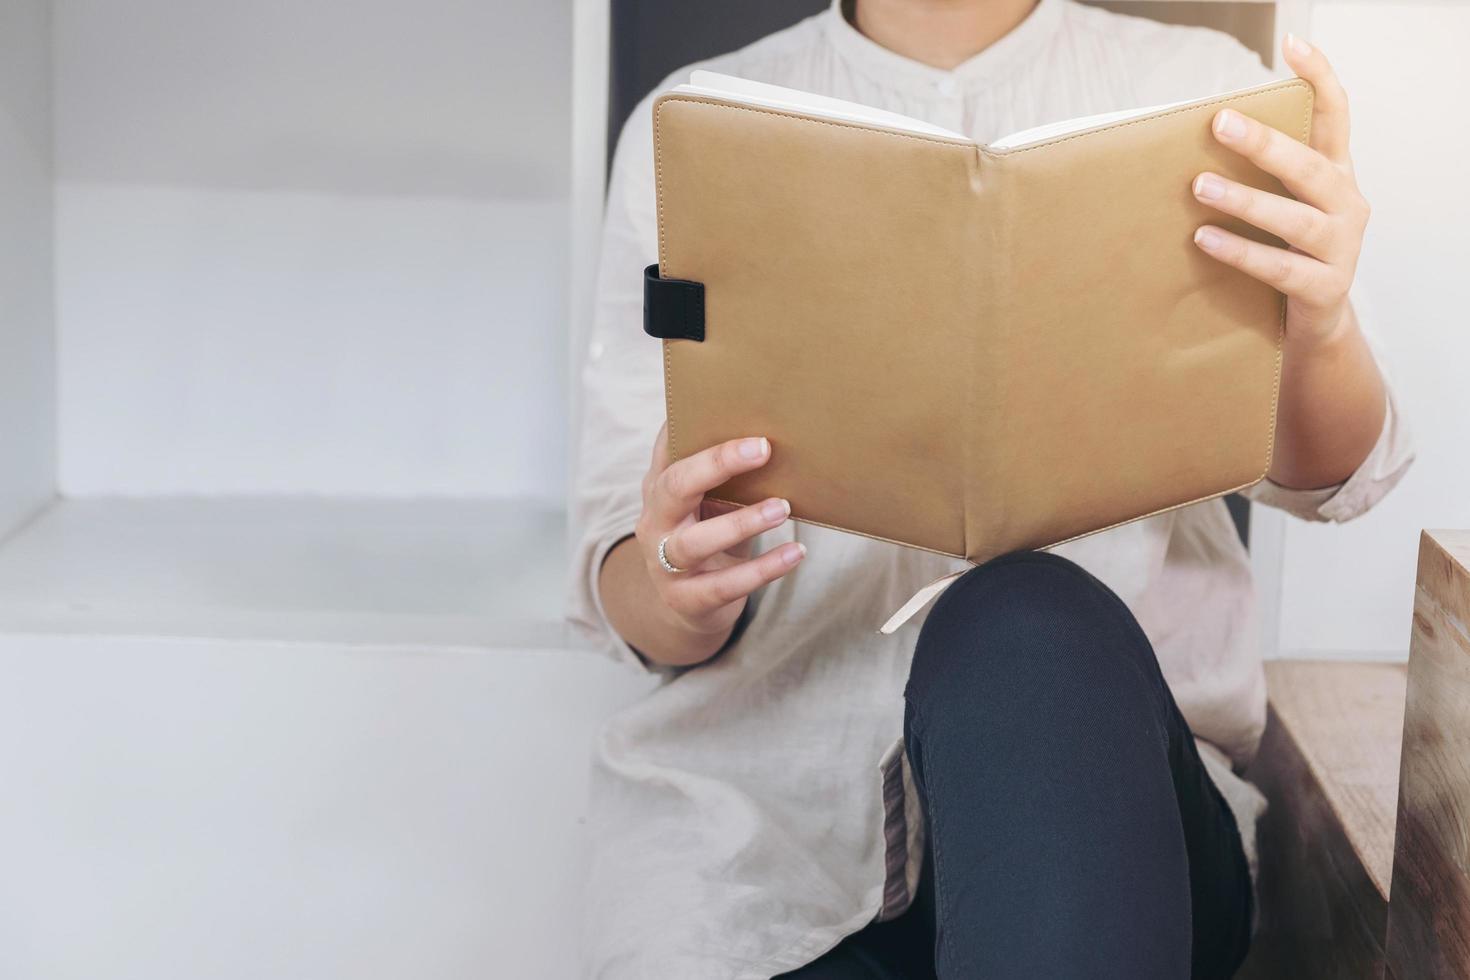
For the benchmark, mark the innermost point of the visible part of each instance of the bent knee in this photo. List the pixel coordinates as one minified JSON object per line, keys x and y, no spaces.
{"x":1024,"y":615}
{"x":1025,"y":590}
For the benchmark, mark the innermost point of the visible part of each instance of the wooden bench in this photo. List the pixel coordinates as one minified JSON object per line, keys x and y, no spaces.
{"x":1342,"y":895}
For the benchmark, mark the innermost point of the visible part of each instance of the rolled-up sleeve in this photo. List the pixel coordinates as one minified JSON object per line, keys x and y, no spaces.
{"x":621,"y":387}
{"x":1379,"y":472}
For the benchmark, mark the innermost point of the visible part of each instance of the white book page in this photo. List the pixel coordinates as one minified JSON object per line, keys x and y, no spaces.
{"x":743,"y":90}
{"x":1038,"y":134}
{"x":730,"y":88}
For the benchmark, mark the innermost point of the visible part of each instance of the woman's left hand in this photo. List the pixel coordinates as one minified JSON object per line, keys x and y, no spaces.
{"x":1323,"y":225}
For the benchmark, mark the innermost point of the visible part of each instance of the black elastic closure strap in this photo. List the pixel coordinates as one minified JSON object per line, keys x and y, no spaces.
{"x":673,"y":309}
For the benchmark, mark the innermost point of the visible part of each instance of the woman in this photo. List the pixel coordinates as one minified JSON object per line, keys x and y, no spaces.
{"x":1042,"y":785}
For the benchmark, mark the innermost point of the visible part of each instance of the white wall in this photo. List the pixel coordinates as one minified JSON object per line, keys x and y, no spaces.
{"x":312,"y":248}
{"x":27,"y":373}
{"x":1349,"y":590}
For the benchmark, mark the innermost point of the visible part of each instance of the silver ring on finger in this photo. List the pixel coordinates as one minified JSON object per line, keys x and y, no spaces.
{"x":663,"y":557}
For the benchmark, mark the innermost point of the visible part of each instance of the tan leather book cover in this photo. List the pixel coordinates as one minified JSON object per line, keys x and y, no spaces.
{"x":965,"y":349}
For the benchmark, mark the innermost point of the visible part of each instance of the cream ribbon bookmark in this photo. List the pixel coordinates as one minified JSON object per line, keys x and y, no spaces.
{"x":920,"y":599}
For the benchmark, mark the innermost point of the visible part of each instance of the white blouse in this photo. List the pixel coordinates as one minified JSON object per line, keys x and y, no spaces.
{"x":752,"y":811}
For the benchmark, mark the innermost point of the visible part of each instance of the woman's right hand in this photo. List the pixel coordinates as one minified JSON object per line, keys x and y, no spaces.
{"x":695,"y":609}
{"x":712,"y":542}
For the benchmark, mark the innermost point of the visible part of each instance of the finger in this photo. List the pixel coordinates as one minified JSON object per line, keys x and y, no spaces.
{"x":660,"y":450}
{"x":714,"y":508}
{"x":710,"y":590}
{"x":691,"y":546}
{"x":1299,"y":224}
{"x":660,"y":461}
{"x":1330,"y":121}
{"x":1296,"y":275}
{"x":1309,"y":175}
{"x":677,"y":491}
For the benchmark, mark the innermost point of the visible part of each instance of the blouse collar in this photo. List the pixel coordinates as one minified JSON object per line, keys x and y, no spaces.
{"x":1001,"y":58}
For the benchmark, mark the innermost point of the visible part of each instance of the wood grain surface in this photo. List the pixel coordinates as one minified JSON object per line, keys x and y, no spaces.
{"x":1329,"y":766}
{"x":1429,"y":918}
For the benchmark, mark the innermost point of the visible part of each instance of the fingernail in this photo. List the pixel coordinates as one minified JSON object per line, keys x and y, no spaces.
{"x":754,"y":448}
{"x":793,"y":553}
{"x":1297,"y":46}
{"x":1208,"y":239}
{"x":1208,"y":187}
{"x":1230,"y":124}
{"x":775,"y":510}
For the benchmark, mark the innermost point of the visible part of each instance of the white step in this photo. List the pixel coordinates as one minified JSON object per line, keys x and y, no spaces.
{"x":471,"y":573}
{"x":292,"y":739}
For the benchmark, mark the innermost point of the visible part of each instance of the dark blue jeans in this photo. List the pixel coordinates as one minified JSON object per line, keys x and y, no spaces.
{"x":1073,"y":831}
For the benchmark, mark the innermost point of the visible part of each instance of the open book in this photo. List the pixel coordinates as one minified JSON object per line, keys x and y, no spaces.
{"x":744,"y":91}
{"x":968,"y":349}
